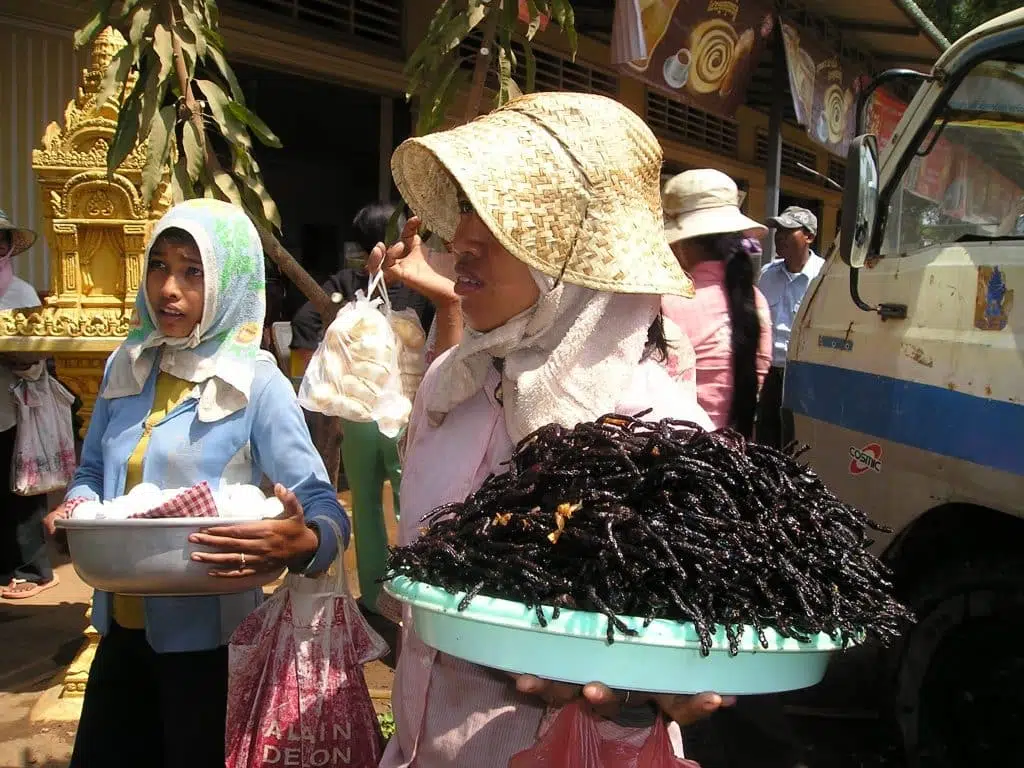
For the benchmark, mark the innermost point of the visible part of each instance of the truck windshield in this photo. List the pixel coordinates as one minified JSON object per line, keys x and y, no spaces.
{"x":966,"y":181}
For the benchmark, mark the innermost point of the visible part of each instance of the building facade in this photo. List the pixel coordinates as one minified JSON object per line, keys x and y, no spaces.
{"x":327,"y":77}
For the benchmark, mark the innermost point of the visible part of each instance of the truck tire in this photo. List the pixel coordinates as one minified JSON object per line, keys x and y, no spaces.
{"x":960,"y":675}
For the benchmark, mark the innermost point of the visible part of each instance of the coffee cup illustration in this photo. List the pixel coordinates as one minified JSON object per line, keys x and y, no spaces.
{"x":677,"y":68}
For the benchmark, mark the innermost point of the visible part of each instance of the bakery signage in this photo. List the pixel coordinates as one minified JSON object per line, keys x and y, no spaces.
{"x":702,"y":52}
{"x":824,"y":89}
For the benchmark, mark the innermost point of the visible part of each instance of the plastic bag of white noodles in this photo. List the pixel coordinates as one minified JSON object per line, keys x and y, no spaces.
{"x":412,"y":349}
{"x":354,"y":373}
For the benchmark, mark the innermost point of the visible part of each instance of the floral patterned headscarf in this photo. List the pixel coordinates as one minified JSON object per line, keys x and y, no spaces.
{"x":221,"y":352}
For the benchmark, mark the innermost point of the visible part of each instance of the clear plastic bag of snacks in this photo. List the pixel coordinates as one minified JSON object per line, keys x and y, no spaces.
{"x":354,"y":373}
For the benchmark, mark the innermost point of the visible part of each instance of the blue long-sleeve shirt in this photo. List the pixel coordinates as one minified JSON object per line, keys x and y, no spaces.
{"x":269,"y":437}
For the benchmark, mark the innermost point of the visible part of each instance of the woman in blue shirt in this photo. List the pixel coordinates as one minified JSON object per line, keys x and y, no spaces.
{"x":189,"y":397}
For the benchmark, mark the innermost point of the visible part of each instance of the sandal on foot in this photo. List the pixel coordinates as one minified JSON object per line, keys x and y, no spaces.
{"x":20,"y":589}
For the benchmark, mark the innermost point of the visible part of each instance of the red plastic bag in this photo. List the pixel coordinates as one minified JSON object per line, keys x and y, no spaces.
{"x":296,"y":691}
{"x":574,"y":741}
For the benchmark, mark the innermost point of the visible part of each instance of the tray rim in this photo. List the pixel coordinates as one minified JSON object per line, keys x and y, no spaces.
{"x":71,"y":524}
{"x":435,"y":599}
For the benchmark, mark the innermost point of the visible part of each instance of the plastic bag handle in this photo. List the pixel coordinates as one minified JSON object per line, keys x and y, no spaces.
{"x":378,"y":284}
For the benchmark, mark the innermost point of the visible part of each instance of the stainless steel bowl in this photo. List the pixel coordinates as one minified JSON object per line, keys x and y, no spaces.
{"x":150,"y":557}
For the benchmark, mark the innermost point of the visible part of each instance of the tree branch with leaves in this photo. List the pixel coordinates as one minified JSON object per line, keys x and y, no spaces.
{"x":187,"y":106}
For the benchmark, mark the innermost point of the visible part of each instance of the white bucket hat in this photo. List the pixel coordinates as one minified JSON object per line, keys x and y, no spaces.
{"x":704,"y":202}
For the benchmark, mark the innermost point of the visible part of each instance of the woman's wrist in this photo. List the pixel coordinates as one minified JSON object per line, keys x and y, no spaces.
{"x":309,"y":546}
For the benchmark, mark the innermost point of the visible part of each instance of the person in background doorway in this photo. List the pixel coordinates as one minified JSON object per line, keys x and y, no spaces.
{"x":727,"y":322}
{"x":784,"y":283}
{"x":25,"y":569}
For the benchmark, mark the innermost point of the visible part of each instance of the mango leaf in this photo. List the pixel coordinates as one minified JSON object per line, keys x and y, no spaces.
{"x":441,"y":16}
{"x":163,"y":47}
{"x":217,"y":54}
{"x":231,"y":127}
{"x":127,"y":8}
{"x":563,"y":13}
{"x":262,"y":131}
{"x":195,"y":26}
{"x":534,"y":25}
{"x":531,"y":67}
{"x":268,"y":206}
{"x":193,"y":145}
{"x":156,"y":89}
{"x":127,"y":131}
{"x":432,"y":104}
{"x":158,"y":150}
{"x":140,"y":24}
{"x":505,"y":61}
{"x":213,"y":38}
{"x":226,"y":185}
{"x":181,"y":185}
{"x":92,"y":28}
{"x":116,"y":75}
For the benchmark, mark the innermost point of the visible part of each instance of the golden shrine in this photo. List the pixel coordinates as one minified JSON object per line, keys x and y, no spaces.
{"x":96,"y":225}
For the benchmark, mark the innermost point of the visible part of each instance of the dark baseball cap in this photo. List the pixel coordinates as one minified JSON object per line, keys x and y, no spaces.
{"x":795,"y":217}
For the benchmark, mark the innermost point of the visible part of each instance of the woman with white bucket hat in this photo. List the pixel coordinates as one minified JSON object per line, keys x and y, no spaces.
{"x":728,"y":321}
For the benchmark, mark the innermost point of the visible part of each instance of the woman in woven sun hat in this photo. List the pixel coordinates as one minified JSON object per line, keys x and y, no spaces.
{"x":25,"y":568}
{"x":561,"y":262}
{"x":728,"y":321}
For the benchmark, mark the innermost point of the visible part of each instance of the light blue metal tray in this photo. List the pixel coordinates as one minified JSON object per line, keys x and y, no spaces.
{"x":664,"y":658}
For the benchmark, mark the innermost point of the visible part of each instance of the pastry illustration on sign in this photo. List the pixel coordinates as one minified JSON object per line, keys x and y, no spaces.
{"x":655,"y":17}
{"x":801,"y":72}
{"x":713,"y":45}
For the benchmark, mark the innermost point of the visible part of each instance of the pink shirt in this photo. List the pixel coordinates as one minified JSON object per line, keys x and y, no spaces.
{"x":449,"y":712}
{"x":705,"y":320}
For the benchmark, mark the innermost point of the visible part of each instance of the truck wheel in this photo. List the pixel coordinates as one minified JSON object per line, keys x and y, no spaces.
{"x":960,"y":680}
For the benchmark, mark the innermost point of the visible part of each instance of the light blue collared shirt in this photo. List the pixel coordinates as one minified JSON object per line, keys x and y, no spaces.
{"x":784,"y":291}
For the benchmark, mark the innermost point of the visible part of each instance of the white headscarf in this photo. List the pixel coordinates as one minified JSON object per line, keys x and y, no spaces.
{"x":567,"y":359}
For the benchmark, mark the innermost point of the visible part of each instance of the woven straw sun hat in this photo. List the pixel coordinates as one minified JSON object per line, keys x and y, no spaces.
{"x":704,"y":202}
{"x":21,"y":238}
{"x":568,"y":183}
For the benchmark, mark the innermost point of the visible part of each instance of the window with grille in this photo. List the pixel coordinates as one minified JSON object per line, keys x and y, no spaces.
{"x":377,"y":21}
{"x":695,"y":127}
{"x":791,"y":156}
{"x":554,"y":72}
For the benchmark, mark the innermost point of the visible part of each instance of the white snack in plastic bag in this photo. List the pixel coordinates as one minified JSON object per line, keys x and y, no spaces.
{"x":407,"y":328}
{"x":355,"y":372}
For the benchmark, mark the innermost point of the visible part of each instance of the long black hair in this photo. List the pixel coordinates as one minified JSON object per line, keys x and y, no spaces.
{"x":737,"y":252}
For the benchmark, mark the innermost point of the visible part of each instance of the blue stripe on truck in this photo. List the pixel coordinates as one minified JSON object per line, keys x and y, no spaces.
{"x":935,"y":419}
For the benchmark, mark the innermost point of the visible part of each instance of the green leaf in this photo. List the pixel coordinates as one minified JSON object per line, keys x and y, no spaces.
{"x":158,"y":150}
{"x":391,"y":232}
{"x":227,"y":73}
{"x":432,"y":105}
{"x":531,"y":67}
{"x":92,"y":28}
{"x":441,"y":16}
{"x":181,"y":184}
{"x":193,"y":145}
{"x":127,"y":8}
{"x":231,"y":127}
{"x":126,"y":133}
{"x":227,"y":187}
{"x":213,"y":38}
{"x":534,"y":26}
{"x":163,"y":47}
{"x":261,"y":129}
{"x":195,"y":26}
{"x":140,"y":24}
{"x":116,"y":75}
{"x":267,"y":204}
{"x":156,"y":89}
{"x":563,"y":13}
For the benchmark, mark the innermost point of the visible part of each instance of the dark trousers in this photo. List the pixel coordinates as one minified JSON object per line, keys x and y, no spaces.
{"x":23,"y":552}
{"x":774,"y":426}
{"x":145,"y":709}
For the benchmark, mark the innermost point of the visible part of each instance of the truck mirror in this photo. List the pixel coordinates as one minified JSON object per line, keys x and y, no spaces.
{"x":860,"y":201}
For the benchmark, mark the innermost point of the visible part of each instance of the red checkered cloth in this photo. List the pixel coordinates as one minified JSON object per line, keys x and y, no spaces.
{"x":197,"y":501}
{"x":72,"y":504}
